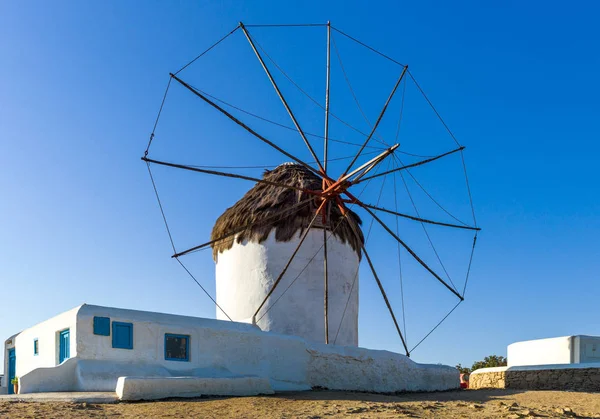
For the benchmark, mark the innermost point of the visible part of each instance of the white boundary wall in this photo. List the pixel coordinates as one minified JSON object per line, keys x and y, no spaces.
{"x":561,"y":350}
{"x":541,"y":352}
{"x":218,"y":350}
{"x":246,"y":272}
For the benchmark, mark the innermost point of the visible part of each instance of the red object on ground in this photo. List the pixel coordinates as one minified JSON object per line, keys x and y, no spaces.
{"x":464,"y":380}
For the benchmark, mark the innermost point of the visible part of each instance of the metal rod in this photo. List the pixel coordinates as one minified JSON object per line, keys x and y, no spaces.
{"x":378,"y":119}
{"x":419,"y":163}
{"x":327,"y":96}
{"x":387,"y":302}
{"x":410,"y":217}
{"x":412,"y":253}
{"x":225,"y":174}
{"x":246,"y":127}
{"x":275,"y":217}
{"x":285,"y":104}
{"x":317,"y":213}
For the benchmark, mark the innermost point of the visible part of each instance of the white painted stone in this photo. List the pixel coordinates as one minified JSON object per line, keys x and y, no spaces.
{"x":145,"y":388}
{"x":218,"y":350}
{"x":246,"y":272}
{"x":360,"y":369}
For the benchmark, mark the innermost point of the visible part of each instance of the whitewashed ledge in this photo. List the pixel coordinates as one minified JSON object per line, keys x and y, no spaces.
{"x":154,"y":388}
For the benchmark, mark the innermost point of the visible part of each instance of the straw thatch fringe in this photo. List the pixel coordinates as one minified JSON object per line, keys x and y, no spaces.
{"x":260,"y":206}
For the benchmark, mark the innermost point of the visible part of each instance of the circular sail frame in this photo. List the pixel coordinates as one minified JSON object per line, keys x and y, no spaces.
{"x":337,"y":191}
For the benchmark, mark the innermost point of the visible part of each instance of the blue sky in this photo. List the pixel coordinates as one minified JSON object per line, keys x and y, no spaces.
{"x":80,"y":85}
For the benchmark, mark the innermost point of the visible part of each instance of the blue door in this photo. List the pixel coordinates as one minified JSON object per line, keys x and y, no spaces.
{"x":12,"y":364}
{"x":64,"y":346}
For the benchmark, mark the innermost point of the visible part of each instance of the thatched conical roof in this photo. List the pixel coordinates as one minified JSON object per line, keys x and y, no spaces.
{"x":259,"y":207}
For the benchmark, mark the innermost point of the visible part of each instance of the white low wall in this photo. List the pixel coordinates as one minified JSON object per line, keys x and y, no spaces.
{"x":144,"y":388}
{"x":360,"y":369}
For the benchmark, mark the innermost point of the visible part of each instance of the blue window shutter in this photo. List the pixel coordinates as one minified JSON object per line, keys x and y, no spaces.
{"x":122,"y":335}
{"x":36,"y":347}
{"x":102,"y":326}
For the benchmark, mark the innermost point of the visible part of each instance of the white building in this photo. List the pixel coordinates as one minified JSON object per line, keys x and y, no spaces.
{"x":145,"y":355}
{"x":248,"y":266}
{"x":578,"y":349}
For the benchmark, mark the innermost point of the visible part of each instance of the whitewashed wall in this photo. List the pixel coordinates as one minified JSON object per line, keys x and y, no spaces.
{"x":541,"y":352}
{"x":222,"y":349}
{"x":217,"y":349}
{"x":47,"y":334}
{"x":246,"y":272}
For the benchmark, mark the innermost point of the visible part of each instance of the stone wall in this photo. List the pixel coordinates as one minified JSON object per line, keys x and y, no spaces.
{"x":491,"y":379}
{"x":574,"y":378}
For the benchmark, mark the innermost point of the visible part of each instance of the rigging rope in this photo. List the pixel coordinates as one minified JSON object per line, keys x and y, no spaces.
{"x":203,"y":289}
{"x":426,"y":232}
{"x":337,"y":53}
{"x":366,"y":46}
{"x":399,"y":262}
{"x":208,"y":49}
{"x":316,"y":102}
{"x":434,"y":109}
{"x":173,"y":244}
{"x":262,"y":118}
{"x":158,"y":117}
{"x":162,"y":212}
{"x":428,"y":194}
{"x":398,"y":221}
{"x":436,"y":326}
{"x":272,"y":165}
{"x":470,"y":261}
{"x":286,"y":25}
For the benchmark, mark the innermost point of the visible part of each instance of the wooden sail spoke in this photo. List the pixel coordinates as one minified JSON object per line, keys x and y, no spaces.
{"x":377,"y":121}
{"x":246,"y":127}
{"x":408,"y":166}
{"x":409,"y":250}
{"x":410,"y":217}
{"x":281,"y":97}
{"x":267,"y":221}
{"x":381,"y":289}
{"x":226,"y":174}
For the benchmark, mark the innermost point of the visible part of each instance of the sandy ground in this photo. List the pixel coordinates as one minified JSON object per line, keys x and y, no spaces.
{"x":331,"y":404}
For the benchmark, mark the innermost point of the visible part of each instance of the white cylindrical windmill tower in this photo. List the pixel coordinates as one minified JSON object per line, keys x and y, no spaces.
{"x":248,"y":265}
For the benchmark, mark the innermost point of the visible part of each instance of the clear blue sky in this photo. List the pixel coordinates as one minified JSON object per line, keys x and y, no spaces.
{"x":80,"y":85}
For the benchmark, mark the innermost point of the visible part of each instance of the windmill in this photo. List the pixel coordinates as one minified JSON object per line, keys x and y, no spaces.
{"x":321,"y":199}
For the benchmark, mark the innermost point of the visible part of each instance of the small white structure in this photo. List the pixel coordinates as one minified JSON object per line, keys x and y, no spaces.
{"x":145,"y":355}
{"x":562,"y":350}
{"x":248,"y":265}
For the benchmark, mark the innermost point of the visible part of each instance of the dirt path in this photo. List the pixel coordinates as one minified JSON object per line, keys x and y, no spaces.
{"x":331,"y":404}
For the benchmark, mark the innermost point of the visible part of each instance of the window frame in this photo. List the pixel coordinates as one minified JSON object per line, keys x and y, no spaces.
{"x":187,"y":347}
{"x":114,"y":335}
{"x":36,"y":347}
